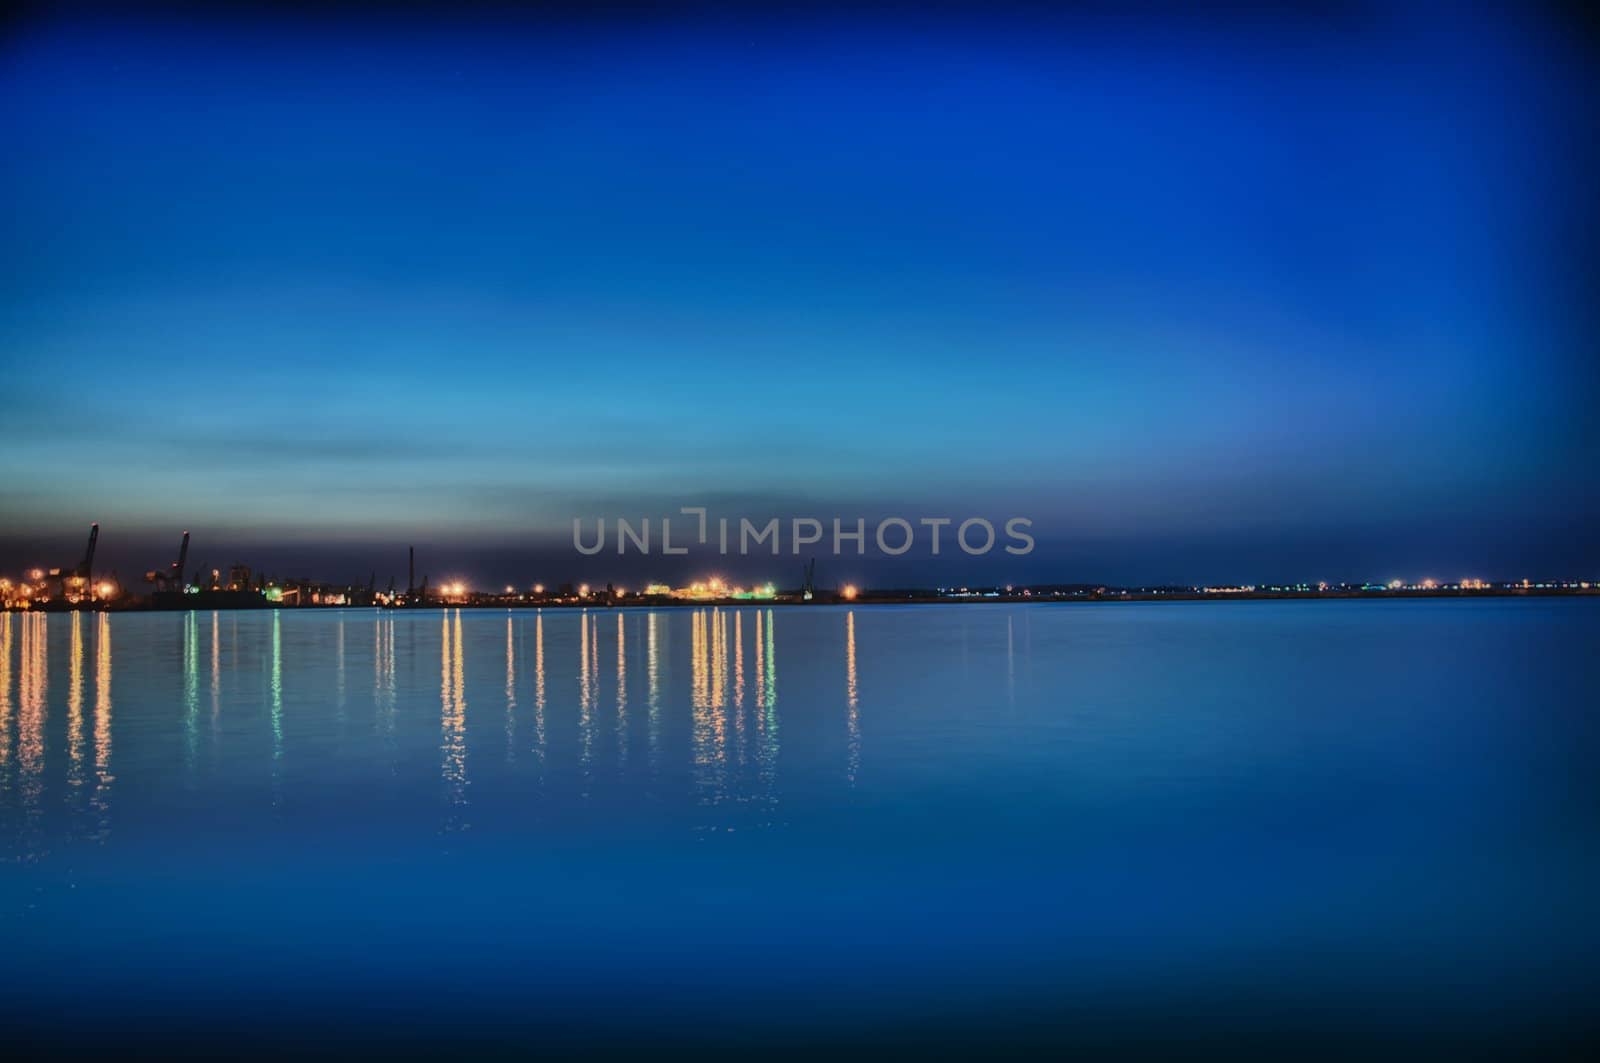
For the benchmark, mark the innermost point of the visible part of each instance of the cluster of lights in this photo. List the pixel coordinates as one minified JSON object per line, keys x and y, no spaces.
{"x":713,"y":589}
{"x":36,"y":586}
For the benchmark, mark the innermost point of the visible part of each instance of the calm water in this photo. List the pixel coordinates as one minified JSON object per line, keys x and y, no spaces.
{"x":823,"y":822}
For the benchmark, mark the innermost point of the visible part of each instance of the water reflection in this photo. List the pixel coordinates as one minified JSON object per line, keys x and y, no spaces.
{"x":538,"y":685}
{"x":5,"y":698}
{"x":32,"y":686}
{"x":453,"y":719}
{"x":622,"y":691}
{"x":715,"y":722}
{"x":352,"y":886}
{"x":738,"y":662}
{"x":719,"y":661}
{"x":708,"y":734}
{"x":767,"y":670}
{"x":191,"y":686}
{"x":728,"y":735}
{"x":101,"y":801}
{"x":586,"y":693}
{"x":383,"y":688}
{"x":852,"y":700}
{"x":511,"y":690}
{"x":275,"y":694}
{"x":338,"y":680}
{"x":76,"y":738}
{"x":761,"y":669}
{"x":216,"y":672}
{"x":653,"y":677}
{"x":1011,"y":664}
{"x":736,"y":708}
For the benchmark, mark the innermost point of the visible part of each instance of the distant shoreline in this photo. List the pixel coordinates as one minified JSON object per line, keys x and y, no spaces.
{"x":867,"y":599}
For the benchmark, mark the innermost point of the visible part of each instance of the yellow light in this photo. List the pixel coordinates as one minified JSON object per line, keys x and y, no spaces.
{"x":104,"y":590}
{"x":849,"y":592}
{"x":510,"y":589}
{"x":583,"y":590}
{"x":538,"y":588}
{"x":36,"y":574}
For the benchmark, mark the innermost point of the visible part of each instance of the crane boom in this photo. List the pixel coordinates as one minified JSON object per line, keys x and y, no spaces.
{"x":86,"y":566}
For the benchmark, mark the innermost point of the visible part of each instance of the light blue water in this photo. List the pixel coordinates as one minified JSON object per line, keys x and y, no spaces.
{"x":822,"y":822}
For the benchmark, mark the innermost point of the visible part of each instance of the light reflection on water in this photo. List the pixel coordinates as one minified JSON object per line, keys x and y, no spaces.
{"x":511,"y":689}
{"x":730,"y":695}
{"x":1118,"y":792}
{"x":453,"y":717}
{"x":383,"y":678}
{"x":852,"y":695}
{"x":75,"y":721}
{"x":33,"y":683}
{"x":538,"y":687}
{"x":102,"y":726}
{"x":191,"y":686}
{"x":5,"y":700}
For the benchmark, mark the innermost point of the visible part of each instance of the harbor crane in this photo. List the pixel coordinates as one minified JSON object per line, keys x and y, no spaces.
{"x":81,"y":575}
{"x":172,"y":578}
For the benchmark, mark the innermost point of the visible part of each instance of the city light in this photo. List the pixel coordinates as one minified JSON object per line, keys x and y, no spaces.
{"x":77,"y":587}
{"x":711,"y":590}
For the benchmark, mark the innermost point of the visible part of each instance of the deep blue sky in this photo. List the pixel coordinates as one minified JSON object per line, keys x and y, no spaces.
{"x":1205,"y":299}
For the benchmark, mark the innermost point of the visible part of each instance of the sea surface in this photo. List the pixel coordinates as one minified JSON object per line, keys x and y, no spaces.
{"x":784,"y":829}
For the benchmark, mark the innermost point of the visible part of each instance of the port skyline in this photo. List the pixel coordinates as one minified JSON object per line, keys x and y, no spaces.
{"x":178,"y":586}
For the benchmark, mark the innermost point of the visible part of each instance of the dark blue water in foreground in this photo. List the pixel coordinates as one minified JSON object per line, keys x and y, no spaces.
{"x":800,"y":825}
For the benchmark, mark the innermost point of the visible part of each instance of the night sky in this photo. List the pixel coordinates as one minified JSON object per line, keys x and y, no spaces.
{"x":1231,"y":299}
